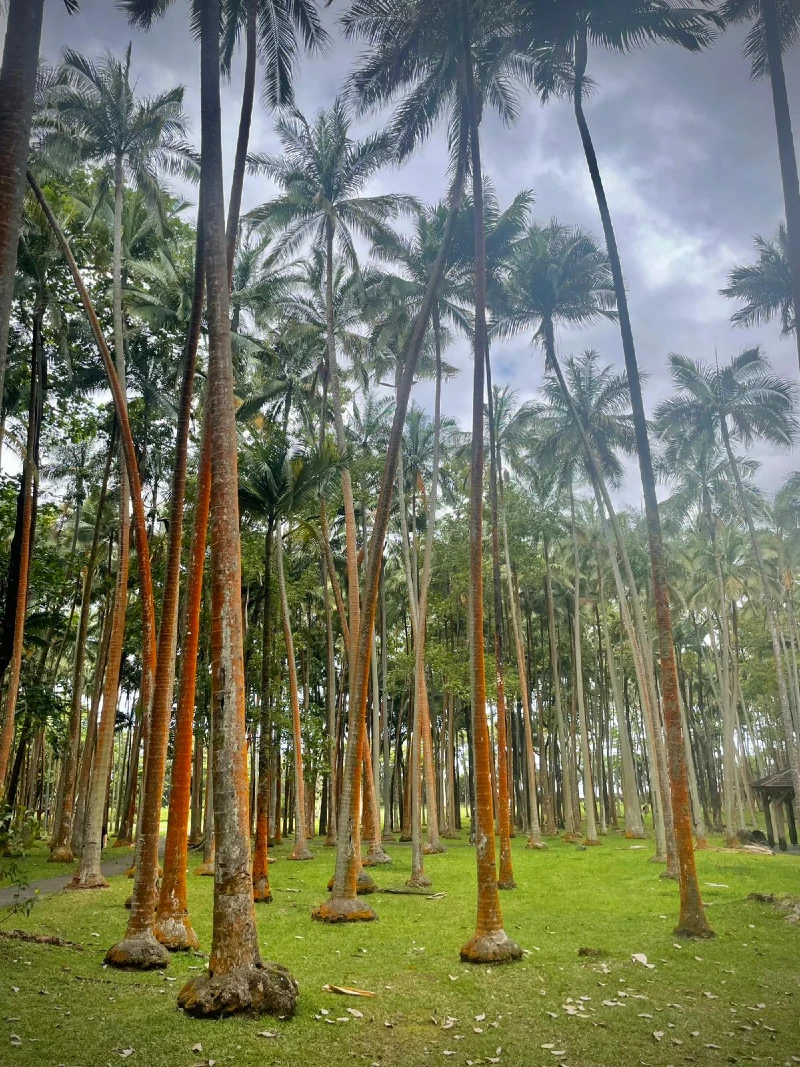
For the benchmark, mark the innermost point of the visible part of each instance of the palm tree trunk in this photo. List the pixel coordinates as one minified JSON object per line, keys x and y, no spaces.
{"x":634,"y":827}
{"x":140,"y":948}
{"x":236,"y":977}
{"x":343,"y":905}
{"x":786,"y":152}
{"x":172,"y":926}
{"x":28,"y":490}
{"x":692,"y":920}
{"x":571,"y":824}
{"x":17,"y":92}
{"x":506,"y":873}
{"x":243,"y":140}
{"x":330,"y":708}
{"x":262,"y":894}
{"x":61,"y":847}
{"x":588,"y":784}
{"x":301,"y":850}
{"x":490,"y":942}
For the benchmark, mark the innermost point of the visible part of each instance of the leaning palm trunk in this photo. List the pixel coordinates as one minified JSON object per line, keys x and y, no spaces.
{"x":61,"y":847}
{"x":301,"y":850}
{"x":692,"y":919}
{"x":343,"y":905}
{"x":490,"y":943}
{"x":17,"y":93}
{"x":772,"y":623}
{"x":236,"y":978}
{"x":130,"y":481}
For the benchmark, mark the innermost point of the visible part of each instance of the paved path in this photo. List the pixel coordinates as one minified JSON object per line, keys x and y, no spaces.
{"x":46,"y":886}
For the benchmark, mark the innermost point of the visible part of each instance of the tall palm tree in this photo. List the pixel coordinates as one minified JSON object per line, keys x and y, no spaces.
{"x":740,"y":402}
{"x":452,"y":58}
{"x":566,"y":36}
{"x":236,"y":975}
{"x":775,"y":29}
{"x":17,"y":100}
{"x":322,"y":172}
{"x":764,"y":287}
{"x":558,"y":273}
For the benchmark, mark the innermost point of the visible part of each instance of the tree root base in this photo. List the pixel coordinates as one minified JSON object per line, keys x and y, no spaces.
{"x":140,"y":953}
{"x":430,"y":849}
{"x":175,"y":933}
{"x":364,"y":884}
{"x":375,"y":858}
{"x":591,"y":844}
{"x":701,"y":844}
{"x":123,"y":842}
{"x":262,"y":894}
{"x":422,"y":881}
{"x":343,"y":910}
{"x":61,"y":854}
{"x":268,"y":989}
{"x":304,"y":854}
{"x":657,"y":859}
{"x":93,"y":881}
{"x":670,"y":876}
{"x":538,"y":845}
{"x":330,"y":842}
{"x":507,"y":883}
{"x":496,"y":947}
{"x":572,"y":839}
{"x":631,"y":835}
{"x":205,"y":870}
{"x":695,"y":930}
{"x":404,"y":838}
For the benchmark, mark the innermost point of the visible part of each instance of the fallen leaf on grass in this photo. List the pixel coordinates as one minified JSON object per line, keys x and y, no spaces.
{"x":267,"y":1033}
{"x":356,"y":1013}
{"x":346,"y":991}
{"x":658,"y":1034}
{"x":717,"y":885}
{"x":196,"y":1048}
{"x":16,"y":1040}
{"x":639,"y":957}
{"x":125,"y":1052}
{"x":481,"y":1017}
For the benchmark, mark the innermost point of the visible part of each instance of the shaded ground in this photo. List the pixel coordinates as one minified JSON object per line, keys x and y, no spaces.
{"x":734,"y":999}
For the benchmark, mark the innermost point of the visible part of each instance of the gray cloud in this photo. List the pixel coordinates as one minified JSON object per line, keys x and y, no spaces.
{"x":686,"y":145}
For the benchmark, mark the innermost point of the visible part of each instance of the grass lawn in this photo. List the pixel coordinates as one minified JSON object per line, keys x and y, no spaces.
{"x":731,"y":1000}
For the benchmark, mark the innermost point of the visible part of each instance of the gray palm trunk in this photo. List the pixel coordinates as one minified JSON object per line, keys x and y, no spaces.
{"x":571,"y":823}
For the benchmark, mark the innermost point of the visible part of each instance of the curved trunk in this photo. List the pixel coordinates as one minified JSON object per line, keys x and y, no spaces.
{"x":692,"y":919}
{"x":343,"y":904}
{"x":172,"y":926}
{"x":17,"y":94}
{"x":61,"y":848}
{"x":243,"y":140}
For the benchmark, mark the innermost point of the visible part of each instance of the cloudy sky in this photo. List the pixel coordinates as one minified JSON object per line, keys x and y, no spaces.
{"x":686,"y":145}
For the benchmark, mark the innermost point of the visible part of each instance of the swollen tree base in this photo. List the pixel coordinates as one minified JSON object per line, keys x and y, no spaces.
{"x":507,"y":883}
{"x":139,"y":953}
{"x":175,"y":933}
{"x":91,"y":881}
{"x":267,"y":989}
{"x":343,"y":910}
{"x":205,"y":870}
{"x":496,"y":947}
{"x":537,"y":844}
{"x":364,"y":884}
{"x":375,"y":857}
{"x":433,"y":850}
{"x":422,"y":881}
{"x":62,"y":854}
{"x":303,"y":854}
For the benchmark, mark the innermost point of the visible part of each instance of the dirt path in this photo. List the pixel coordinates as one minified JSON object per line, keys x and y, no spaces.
{"x":45,"y":886}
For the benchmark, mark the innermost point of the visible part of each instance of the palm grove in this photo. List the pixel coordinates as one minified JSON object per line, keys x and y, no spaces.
{"x":248,"y":593}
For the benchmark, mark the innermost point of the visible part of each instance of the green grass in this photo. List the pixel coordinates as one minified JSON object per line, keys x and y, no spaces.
{"x":71,"y":1010}
{"x":35,"y":863}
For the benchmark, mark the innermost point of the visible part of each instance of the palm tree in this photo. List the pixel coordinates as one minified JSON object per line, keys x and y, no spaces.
{"x":236,"y":975}
{"x":765,"y":287}
{"x":558,"y":273}
{"x":17,"y":100}
{"x":271,"y":30}
{"x":566,"y":36}
{"x":775,"y":28}
{"x":452,"y":58}
{"x":740,"y":402}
